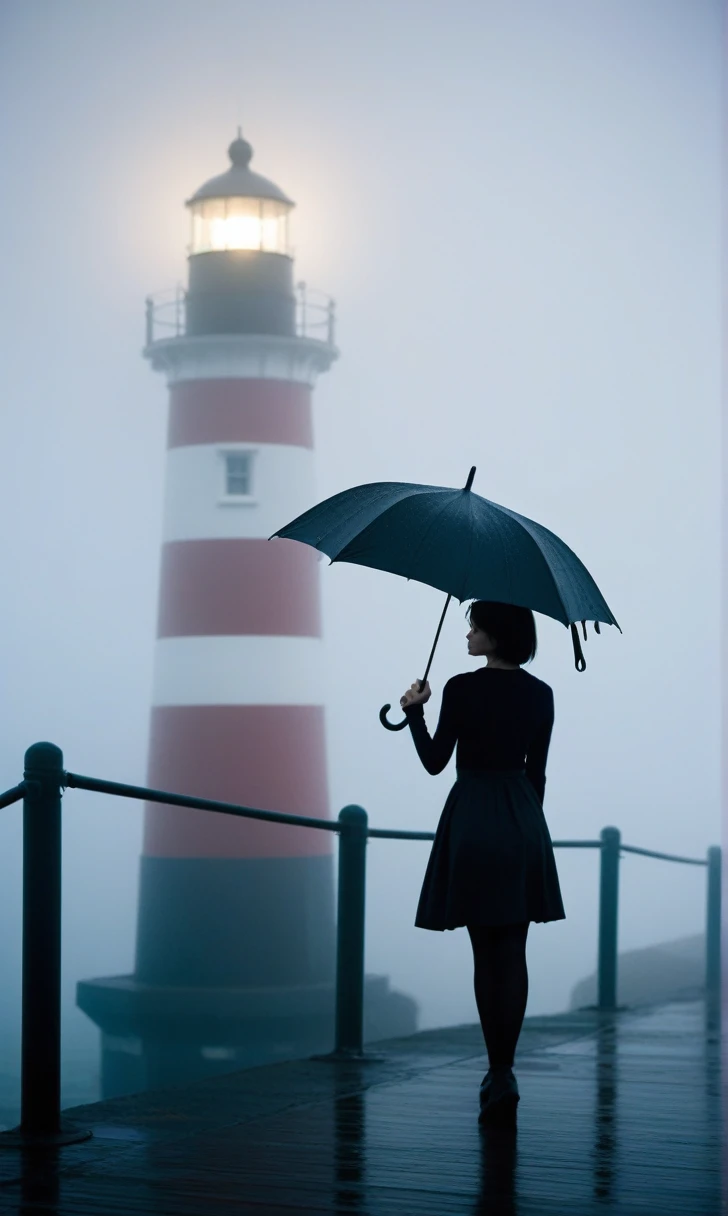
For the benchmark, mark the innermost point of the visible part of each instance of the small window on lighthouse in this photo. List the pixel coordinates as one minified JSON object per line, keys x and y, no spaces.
{"x":238,"y":474}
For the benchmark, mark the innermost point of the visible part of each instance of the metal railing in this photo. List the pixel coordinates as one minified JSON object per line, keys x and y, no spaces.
{"x":166,"y":315}
{"x":41,"y":792}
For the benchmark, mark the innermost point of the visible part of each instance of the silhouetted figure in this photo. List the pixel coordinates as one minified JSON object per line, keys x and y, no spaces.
{"x":492,"y":866}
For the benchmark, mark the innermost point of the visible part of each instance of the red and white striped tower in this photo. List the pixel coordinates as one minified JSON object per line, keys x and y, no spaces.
{"x":235,"y":940}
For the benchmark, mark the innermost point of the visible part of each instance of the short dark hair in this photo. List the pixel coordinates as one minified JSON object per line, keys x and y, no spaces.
{"x":512,"y":627}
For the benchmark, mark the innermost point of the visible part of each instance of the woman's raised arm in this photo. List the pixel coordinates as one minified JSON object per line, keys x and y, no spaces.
{"x":435,"y":752}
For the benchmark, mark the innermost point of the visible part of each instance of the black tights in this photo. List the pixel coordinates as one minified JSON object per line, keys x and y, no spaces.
{"x":501,"y":987}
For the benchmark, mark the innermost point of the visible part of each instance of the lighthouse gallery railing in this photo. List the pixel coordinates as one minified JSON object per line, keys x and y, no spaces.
{"x":166,"y":315}
{"x":41,"y":792}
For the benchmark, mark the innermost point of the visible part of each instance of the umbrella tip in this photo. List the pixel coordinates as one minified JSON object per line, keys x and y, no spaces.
{"x":471,"y":475}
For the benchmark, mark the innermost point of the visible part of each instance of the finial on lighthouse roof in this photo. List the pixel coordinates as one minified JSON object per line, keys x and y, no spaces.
{"x":240,"y":181}
{"x":240,"y":151}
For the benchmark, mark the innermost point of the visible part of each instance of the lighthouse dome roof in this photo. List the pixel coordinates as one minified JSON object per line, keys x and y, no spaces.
{"x":239,"y":181}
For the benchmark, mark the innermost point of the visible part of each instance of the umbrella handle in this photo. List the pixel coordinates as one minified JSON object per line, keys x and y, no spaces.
{"x":390,"y":725}
{"x":385,"y":708}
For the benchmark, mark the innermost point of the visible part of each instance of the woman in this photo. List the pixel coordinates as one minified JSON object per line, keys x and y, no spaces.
{"x":492,"y":866}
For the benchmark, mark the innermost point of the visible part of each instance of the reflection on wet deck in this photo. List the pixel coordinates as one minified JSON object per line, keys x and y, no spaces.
{"x":619,"y":1113}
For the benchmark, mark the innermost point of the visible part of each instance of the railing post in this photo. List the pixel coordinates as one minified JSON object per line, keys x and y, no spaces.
{"x":179,"y":299}
{"x":302,"y":320}
{"x":350,"y":931}
{"x":332,"y":322}
{"x":712,"y":930}
{"x":149,"y":319}
{"x":40,"y":1085}
{"x":608,"y":918}
{"x":40,"y":1067}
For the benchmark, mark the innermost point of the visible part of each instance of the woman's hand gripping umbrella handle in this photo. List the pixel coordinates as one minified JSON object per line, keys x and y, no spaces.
{"x":421,"y":684}
{"x":385,"y":708}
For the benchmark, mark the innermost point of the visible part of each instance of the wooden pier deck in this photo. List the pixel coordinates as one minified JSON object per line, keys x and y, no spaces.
{"x":619,"y":1114}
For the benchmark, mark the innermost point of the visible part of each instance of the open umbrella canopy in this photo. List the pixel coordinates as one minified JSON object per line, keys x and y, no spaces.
{"x":456,"y":541}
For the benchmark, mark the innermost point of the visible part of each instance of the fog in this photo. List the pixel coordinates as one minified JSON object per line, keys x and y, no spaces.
{"x":516,"y":206}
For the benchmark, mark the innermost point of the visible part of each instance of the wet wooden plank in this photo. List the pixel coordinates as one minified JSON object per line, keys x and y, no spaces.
{"x":619,"y":1114}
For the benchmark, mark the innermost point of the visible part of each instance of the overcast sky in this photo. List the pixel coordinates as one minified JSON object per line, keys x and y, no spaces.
{"x":515,"y":204}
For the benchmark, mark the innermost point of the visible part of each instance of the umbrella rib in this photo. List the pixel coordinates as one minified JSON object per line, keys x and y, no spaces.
{"x":523,"y":520}
{"x":554,"y":579}
{"x":470,"y":543}
{"x":498,"y":534}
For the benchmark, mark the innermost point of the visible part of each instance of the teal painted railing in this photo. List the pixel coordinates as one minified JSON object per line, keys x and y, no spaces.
{"x":41,"y":791}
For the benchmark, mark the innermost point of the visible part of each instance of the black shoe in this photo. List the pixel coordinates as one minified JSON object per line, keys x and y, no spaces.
{"x":502,"y":1099}
{"x":485,"y":1085}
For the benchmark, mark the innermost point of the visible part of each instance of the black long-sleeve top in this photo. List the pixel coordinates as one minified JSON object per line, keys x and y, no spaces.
{"x":499,"y":718}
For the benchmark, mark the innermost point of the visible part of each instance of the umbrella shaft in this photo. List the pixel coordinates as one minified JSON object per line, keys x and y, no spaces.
{"x":423,"y":681}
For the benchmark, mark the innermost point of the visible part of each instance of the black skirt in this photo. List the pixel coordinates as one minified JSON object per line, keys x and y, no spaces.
{"x":492,"y":860}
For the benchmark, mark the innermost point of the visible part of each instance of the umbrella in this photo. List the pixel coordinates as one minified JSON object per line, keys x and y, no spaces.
{"x":460,"y":543}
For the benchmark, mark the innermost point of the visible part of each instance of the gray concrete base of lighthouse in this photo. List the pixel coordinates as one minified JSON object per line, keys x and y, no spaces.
{"x":154,"y":1037}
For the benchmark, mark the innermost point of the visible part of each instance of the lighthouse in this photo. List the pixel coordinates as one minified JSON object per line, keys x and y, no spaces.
{"x":235,"y":932}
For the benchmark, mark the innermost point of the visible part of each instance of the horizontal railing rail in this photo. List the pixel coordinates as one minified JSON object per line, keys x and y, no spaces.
{"x":688,"y":861}
{"x":123,"y":790}
{"x":13,"y":795}
{"x":119,"y":788}
{"x":41,"y":792}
